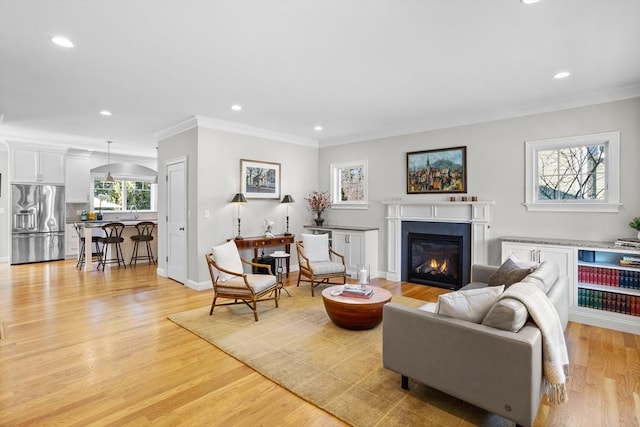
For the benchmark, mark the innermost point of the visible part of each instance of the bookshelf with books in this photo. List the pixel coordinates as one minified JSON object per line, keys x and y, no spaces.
{"x":604,"y":279}
{"x":609,"y":281}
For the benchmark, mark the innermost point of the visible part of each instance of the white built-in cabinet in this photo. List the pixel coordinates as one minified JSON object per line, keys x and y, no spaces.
{"x":72,"y":246}
{"x":561,"y":255}
{"x":78,"y":179}
{"x":603,"y":291}
{"x":358,"y":245}
{"x":35,"y":166}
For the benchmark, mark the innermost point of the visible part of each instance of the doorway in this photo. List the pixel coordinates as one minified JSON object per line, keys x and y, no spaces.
{"x":177,"y":220}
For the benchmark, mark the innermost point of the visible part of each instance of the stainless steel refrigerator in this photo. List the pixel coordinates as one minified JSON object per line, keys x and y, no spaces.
{"x":37,"y":223}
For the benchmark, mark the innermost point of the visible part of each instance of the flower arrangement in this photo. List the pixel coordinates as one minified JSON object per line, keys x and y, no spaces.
{"x":318,"y":201}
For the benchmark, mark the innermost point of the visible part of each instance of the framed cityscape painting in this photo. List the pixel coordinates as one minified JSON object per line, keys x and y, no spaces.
{"x":437,"y":171}
{"x":259,"y":180}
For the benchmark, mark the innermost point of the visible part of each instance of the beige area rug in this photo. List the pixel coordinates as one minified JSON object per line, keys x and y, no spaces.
{"x":340,"y":371}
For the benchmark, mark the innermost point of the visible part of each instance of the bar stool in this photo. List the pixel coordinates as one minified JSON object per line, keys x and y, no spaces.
{"x":145,"y":234}
{"x":94,"y":240}
{"x":113,"y":237}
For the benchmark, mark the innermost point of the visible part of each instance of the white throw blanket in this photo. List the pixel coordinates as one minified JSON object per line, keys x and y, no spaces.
{"x":554,"y":349}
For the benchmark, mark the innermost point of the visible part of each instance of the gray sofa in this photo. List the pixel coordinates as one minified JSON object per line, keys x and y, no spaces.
{"x":497,"y":370}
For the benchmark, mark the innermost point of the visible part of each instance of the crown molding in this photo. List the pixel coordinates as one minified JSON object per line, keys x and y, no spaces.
{"x":233,"y":127}
{"x":620,"y":94}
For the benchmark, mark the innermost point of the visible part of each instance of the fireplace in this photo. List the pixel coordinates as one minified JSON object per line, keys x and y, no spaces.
{"x":472,"y":220}
{"x":436,"y":253}
{"x":435,"y":260}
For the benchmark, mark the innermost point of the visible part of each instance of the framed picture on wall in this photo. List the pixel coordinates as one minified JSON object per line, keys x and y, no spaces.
{"x":259,"y":180}
{"x":437,"y":171}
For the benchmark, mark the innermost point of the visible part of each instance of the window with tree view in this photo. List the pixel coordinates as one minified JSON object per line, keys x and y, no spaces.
{"x":572,"y":173}
{"x":349,"y":184}
{"x":123,"y":195}
{"x":579,"y":173}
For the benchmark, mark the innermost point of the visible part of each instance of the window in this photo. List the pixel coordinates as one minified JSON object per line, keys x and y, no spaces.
{"x":579,"y":173}
{"x":123,"y":195}
{"x":349,"y":187}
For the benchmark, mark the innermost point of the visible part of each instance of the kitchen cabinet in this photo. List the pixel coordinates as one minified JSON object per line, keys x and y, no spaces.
{"x":72,"y":241}
{"x":604,"y":283}
{"x":78,"y":179}
{"x":33,"y":166}
{"x":359,"y":245}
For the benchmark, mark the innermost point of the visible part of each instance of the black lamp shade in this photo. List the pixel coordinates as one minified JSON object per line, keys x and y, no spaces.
{"x":239,"y":198}
{"x":287,"y":199}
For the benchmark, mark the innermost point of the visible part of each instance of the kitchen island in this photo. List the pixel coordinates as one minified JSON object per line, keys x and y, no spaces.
{"x":89,"y":227}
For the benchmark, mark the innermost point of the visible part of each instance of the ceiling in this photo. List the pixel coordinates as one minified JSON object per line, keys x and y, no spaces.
{"x":361,"y":69}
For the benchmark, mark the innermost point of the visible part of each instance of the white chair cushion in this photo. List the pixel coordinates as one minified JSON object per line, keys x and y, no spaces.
{"x":316,"y":247}
{"x":472,"y":305}
{"x":327,"y":267}
{"x":227,"y":257}
{"x":257,"y":282}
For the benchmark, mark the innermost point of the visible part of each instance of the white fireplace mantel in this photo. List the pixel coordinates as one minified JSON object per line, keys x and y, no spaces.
{"x":477,"y":213}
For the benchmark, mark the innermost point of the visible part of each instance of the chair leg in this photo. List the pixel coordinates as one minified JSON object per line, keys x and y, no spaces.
{"x":255,"y":309}
{"x":134,"y":254}
{"x":213,"y":304}
{"x":299,"y":275}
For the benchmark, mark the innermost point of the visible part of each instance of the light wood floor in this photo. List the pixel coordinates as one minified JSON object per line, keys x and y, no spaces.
{"x":97,"y":349}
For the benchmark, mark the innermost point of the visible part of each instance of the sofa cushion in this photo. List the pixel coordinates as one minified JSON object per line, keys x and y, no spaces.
{"x":471,"y":305}
{"x":547,"y":273}
{"x":507,"y":314}
{"x":508,"y":274}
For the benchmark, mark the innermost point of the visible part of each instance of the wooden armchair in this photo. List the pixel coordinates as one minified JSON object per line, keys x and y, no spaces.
{"x":229,"y":281}
{"x":320,"y":263}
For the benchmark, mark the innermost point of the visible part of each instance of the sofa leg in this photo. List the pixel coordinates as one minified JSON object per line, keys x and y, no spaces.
{"x":405,"y":382}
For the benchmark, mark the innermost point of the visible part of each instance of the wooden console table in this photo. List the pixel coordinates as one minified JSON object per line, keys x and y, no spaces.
{"x":260,"y":242}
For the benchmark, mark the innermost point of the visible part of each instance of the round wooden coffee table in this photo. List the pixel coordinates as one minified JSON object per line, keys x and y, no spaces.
{"x":355,"y":313}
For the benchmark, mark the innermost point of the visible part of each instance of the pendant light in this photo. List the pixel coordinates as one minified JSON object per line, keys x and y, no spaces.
{"x":109,"y":178}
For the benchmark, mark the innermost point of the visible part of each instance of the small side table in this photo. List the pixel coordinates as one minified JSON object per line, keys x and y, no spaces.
{"x":281,"y":258}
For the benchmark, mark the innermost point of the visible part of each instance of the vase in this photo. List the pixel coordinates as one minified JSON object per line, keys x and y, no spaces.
{"x":99,"y":216}
{"x":319,"y":220}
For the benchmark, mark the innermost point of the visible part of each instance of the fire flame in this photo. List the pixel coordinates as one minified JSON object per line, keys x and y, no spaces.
{"x":435,"y":266}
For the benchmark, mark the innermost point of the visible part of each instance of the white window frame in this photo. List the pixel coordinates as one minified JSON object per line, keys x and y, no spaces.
{"x":153,"y":195}
{"x":335,"y":169}
{"x":612,"y":170}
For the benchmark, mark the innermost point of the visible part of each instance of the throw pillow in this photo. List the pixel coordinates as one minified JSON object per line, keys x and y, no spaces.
{"x":547,"y":273}
{"x":507,"y":314}
{"x":471,"y":305}
{"x":227,"y":257}
{"x":523,"y":264}
{"x":316,"y":247}
{"x":508,"y":274}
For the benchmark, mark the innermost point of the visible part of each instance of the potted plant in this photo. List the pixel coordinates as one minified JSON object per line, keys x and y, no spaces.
{"x":318,"y":201}
{"x":635,"y":224}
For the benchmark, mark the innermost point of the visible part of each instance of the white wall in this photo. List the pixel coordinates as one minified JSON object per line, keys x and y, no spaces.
{"x":213,"y":177}
{"x":495,"y":162}
{"x":219,"y":155}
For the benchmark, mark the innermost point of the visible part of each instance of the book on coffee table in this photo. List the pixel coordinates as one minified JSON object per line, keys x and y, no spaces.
{"x":356,"y":292}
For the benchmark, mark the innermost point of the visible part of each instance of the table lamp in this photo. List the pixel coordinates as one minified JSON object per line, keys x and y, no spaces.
{"x":239,"y":199}
{"x":287,"y":199}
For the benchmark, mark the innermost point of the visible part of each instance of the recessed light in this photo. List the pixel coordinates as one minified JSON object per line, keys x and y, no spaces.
{"x":529,"y":1}
{"x":105,"y":113}
{"x":236,"y":107}
{"x":62,"y":41}
{"x":561,"y":75}
{"x":317,"y":128}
